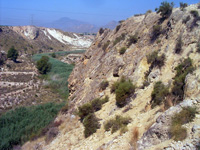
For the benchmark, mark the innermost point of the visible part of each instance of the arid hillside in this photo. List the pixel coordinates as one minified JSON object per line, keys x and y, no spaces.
{"x":137,"y":87}
{"x":31,"y":39}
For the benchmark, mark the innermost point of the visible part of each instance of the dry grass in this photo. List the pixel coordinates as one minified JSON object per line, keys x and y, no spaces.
{"x":134,"y":138}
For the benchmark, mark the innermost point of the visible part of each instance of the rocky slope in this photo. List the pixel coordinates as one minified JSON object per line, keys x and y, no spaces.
{"x":149,"y":127}
{"x":31,"y":39}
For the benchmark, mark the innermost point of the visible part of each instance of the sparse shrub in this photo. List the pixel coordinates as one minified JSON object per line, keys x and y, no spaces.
{"x":145,"y":84}
{"x":186,"y":19}
{"x":104,"y":85}
{"x":101,"y":30}
{"x":123,"y":91}
{"x":91,"y":125}
{"x":121,"y":21}
{"x":165,"y":9}
{"x":183,"y":5}
{"x":157,"y":30}
{"x":133,"y":39}
{"x":136,"y":15}
{"x":194,"y":13}
{"x":106,"y":45}
{"x":198,"y":46}
{"x":91,"y":107}
{"x":85,"y":110}
{"x":43,"y":65}
{"x":118,"y":39}
{"x":159,"y":93}
{"x":13,"y":54}
{"x":179,"y":81}
{"x":122,"y":50}
{"x":179,"y":45}
{"x":185,"y":116}
{"x":117,"y":28}
{"x":148,"y":12}
{"x":118,"y":123}
{"x":155,"y":60}
{"x":53,"y":55}
{"x":114,"y":86}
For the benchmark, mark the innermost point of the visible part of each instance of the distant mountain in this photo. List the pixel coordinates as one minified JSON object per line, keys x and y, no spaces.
{"x":111,"y":25}
{"x":71,"y":25}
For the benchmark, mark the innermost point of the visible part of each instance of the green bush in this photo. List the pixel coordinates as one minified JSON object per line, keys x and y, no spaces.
{"x":155,"y":60}
{"x":118,"y":39}
{"x":133,"y":39}
{"x":186,"y":115}
{"x":85,"y":110}
{"x":115,"y":124}
{"x":123,"y":91}
{"x":165,"y":9}
{"x":106,"y":45}
{"x":157,"y":30}
{"x":43,"y":65}
{"x":183,"y":5}
{"x":179,"y":81}
{"x":101,"y":30}
{"x":91,"y":125}
{"x":158,"y":94}
{"x":12,"y":54}
{"x":194,"y":13}
{"x":186,"y":19}
{"x":91,"y":107}
{"x":117,"y":28}
{"x":122,"y":50}
{"x":53,"y":55}
{"x":179,"y":45}
{"x":24,"y":123}
{"x":104,"y":85}
{"x":198,"y":46}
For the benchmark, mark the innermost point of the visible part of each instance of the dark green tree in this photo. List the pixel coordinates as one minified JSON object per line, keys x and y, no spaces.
{"x":13,"y":54}
{"x":165,"y":9}
{"x":43,"y":65}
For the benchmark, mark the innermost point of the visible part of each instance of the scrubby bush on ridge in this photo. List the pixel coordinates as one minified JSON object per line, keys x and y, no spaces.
{"x":122,"y":50}
{"x":186,"y":115}
{"x":165,"y":9}
{"x":160,"y":91}
{"x":116,"y":123}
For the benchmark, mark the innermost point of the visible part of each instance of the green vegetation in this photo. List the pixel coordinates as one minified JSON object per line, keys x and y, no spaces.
{"x":87,"y":116}
{"x":12,"y":54}
{"x":185,"y":20}
{"x":118,"y":123}
{"x":101,"y":30}
{"x":179,"y":81}
{"x":53,"y":55}
{"x":91,"y":107}
{"x":194,"y":13}
{"x":43,"y":65}
{"x":105,"y":46}
{"x":59,"y":73}
{"x":187,"y":115}
{"x":104,"y":84}
{"x":122,"y":50}
{"x":117,"y":28}
{"x":165,"y":9}
{"x":133,"y":39}
{"x":91,"y":125}
{"x":155,"y":60}
{"x":123,"y":89}
{"x":179,"y":45}
{"x":160,"y":91}
{"x":24,"y":123}
{"x":118,"y":39}
{"x":157,"y":30}
{"x":198,"y":46}
{"x":183,"y":5}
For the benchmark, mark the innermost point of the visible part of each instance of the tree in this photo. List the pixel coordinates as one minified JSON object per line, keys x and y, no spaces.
{"x":165,"y":9}
{"x":43,"y":65}
{"x":13,"y":54}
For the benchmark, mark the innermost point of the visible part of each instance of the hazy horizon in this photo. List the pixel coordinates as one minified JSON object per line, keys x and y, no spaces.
{"x":23,"y":12}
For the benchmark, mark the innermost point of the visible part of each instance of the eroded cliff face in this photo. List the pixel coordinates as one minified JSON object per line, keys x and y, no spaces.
{"x":103,"y":62}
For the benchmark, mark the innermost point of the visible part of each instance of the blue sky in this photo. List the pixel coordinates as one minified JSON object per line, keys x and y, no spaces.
{"x":98,"y":12}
